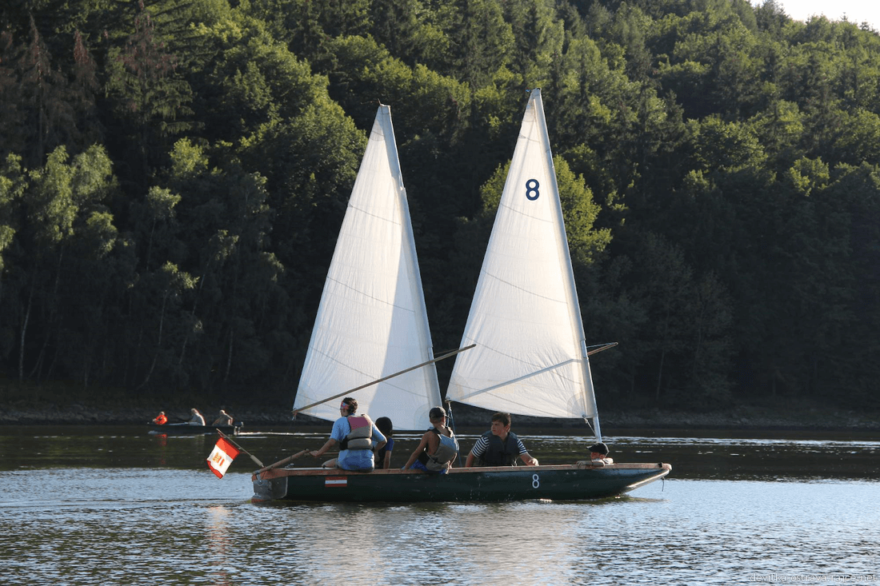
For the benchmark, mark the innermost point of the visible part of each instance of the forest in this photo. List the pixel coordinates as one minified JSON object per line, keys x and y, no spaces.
{"x":173,"y":175}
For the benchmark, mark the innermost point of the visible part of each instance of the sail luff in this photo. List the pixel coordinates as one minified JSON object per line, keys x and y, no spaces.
{"x":577,"y":326}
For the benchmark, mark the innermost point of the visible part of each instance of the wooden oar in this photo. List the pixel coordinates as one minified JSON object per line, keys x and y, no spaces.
{"x":240,"y":449}
{"x":283,"y":462}
{"x":438,"y":359}
{"x":601,"y":348}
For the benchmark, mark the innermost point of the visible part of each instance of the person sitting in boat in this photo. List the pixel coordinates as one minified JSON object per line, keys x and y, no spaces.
{"x":438,"y":447}
{"x":383,"y":455}
{"x":599,"y":453}
{"x":355,"y":435}
{"x":160,"y":419}
{"x":197,"y":418}
{"x":223,"y":418}
{"x":498,"y":446}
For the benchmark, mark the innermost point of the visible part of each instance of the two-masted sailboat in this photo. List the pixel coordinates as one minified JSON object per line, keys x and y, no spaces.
{"x":530,"y":355}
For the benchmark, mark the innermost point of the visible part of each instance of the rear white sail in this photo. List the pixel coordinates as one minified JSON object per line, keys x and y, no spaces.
{"x":530,"y":356}
{"x":372,"y":321}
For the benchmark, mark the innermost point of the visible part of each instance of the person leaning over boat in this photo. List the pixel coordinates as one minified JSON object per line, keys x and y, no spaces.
{"x":355,"y":435}
{"x":438,"y":447}
{"x":498,"y":446}
{"x":197,"y":418}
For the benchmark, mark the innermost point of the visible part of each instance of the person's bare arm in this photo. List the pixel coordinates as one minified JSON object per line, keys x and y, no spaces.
{"x":415,"y":454}
{"x":318,"y":453}
{"x":528,"y":460}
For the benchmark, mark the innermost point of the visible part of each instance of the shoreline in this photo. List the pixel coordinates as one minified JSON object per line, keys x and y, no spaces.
{"x":742,"y":418}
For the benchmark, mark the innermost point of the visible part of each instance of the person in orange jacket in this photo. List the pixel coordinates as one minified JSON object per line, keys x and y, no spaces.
{"x":160,"y":419}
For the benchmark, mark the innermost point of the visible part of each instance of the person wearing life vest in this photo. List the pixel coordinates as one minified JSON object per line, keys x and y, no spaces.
{"x":499,"y":447}
{"x":160,"y":419}
{"x":438,"y":447}
{"x":357,"y":437}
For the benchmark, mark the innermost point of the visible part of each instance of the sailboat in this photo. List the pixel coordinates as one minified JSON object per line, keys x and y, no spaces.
{"x":530,"y":356}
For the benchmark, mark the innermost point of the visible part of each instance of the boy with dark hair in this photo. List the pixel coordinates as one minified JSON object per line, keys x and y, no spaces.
{"x":499,"y":447}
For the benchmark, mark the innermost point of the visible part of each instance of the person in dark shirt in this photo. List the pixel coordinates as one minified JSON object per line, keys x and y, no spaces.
{"x":383,"y":455}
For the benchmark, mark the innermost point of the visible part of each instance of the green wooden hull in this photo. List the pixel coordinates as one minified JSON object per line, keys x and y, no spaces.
{"x":566,"y":483}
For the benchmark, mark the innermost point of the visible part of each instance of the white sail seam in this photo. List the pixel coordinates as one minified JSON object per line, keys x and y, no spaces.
{"x":521,"y":378}
{"x":522,"y":213}
{"x":378,"y":217}
{"x":521,"y":361}
{"x":499,"y":279}
{"x":368,"y":296}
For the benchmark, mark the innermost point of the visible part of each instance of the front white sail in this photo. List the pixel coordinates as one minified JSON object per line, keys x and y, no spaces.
{"x":530,"y":356}
{"x":372,"y":320}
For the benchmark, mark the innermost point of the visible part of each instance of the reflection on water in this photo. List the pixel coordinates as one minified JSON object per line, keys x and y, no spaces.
{"x":149,"y":511}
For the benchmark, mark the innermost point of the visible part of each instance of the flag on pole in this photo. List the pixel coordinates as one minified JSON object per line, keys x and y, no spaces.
{"x":221,"y":457}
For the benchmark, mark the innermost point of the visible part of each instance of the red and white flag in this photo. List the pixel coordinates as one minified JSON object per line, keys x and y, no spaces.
{"x":221,"y":457}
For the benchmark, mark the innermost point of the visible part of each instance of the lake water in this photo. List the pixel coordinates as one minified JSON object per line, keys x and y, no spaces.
{"x":98,"y":505}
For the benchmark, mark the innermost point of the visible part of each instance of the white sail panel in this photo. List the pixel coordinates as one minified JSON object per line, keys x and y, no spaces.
{"x":530,"y":356}
{"x":372,"y":321}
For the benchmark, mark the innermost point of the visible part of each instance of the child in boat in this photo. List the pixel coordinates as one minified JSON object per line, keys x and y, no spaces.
{"x":438,"y":447}
{"x":599,"y":453}
{"x":354,"y":434}
{"x":383,"y":455}
{"x":160,"y":419}
{"x":499,"y":446}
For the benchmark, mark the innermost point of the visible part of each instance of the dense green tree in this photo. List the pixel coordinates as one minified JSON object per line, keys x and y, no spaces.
{"x":175,"y":173}
{"x":151,"y":98}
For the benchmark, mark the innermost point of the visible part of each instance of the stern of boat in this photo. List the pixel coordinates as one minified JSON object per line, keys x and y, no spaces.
{"x":269,"y":488}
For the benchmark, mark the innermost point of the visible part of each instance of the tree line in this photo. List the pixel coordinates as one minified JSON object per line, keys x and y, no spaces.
{"x":173,"y":175}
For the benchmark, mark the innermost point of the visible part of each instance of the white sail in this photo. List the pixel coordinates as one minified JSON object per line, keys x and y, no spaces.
{"x":372,"y":320}
{"x":530,"y":356}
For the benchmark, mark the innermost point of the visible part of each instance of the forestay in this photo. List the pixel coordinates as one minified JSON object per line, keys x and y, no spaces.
{"x":372,"y":320}
{"x":530,"y":356}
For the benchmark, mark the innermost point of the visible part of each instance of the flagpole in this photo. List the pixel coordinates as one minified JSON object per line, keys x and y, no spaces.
{"x":240,"y":449}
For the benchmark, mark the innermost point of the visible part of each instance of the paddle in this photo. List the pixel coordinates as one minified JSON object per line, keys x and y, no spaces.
{"x":283,"y":462}
{"x":438,"y":359}
{"x":240,"y":449}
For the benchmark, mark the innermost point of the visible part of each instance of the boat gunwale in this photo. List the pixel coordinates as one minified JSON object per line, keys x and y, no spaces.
{"x":287,"y":472}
